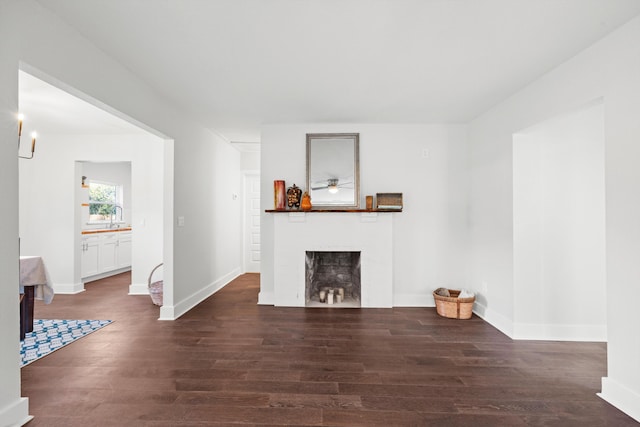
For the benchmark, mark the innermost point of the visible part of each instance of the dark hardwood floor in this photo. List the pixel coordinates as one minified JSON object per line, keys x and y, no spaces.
{"x":231,"y":362}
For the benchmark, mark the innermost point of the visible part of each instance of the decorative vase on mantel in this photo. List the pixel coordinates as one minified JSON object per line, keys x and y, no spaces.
{"x":278,"y":195}
{"x":305,"y":204}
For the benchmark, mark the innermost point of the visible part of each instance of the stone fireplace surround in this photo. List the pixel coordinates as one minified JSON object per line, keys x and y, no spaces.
{"x":370,"y":233}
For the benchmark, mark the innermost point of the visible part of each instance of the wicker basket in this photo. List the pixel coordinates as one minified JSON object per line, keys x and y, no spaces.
{"x":454,"y":307}
{"x":156,"y":288}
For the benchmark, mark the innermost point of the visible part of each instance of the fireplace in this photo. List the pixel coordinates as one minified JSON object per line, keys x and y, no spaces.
{"x":332,"y":279}
{"x":368,"y":234}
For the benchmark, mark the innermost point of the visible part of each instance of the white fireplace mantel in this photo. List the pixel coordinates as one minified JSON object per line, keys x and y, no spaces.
{"x":370,"y":233}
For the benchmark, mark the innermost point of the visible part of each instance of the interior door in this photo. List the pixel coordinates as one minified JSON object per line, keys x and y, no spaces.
{"x":252,"y":223}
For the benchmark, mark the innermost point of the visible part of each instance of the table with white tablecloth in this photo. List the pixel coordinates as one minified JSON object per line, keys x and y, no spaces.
{"x":34,"y":284}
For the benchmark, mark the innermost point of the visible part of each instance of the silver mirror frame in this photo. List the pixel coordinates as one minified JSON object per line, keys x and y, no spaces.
{"x":351,"y":168}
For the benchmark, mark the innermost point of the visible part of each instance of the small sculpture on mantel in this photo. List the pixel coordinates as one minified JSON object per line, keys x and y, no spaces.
{"x":293,"y":197}
{"x":306,"y":202}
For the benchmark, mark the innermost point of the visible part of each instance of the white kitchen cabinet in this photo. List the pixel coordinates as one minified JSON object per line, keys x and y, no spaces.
{"x":123,"y":253}
{"x":89,"y":259}
{"x":105,"y":252}
{"x":108,"y":252}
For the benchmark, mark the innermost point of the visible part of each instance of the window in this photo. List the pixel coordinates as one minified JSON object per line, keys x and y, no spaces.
{"x":105,"y":202}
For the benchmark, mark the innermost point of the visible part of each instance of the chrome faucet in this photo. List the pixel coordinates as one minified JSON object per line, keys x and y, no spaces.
{"x":113,"y":211}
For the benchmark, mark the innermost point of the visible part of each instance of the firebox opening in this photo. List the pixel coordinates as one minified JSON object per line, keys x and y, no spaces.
{"x":332,"y":279}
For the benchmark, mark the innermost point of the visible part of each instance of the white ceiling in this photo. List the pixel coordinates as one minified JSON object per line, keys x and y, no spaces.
{"x":238,"y":64}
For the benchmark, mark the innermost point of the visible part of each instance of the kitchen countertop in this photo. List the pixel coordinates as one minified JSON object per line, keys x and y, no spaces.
{"x":105,"y":230}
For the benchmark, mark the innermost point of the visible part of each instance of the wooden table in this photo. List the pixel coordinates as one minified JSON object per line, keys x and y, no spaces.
{"x":34,"y":284}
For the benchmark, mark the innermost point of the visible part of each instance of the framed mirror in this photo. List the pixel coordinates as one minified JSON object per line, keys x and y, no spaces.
{"x":333,"y":170}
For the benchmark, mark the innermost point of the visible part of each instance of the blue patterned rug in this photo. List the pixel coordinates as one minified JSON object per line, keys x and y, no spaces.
{"x":50,"y":335}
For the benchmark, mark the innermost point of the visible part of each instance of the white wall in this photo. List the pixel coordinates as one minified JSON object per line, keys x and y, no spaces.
{"x":430,"y":235}
{"x":559,"y":229}
{"x":250,"y":160}
{"x":14,"y":410}
{"x":50,"y":179}
{"x":200,"y":170}
{"x":610,"y":69}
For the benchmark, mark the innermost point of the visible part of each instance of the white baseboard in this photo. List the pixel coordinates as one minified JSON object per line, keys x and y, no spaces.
{"x":76,"y":288}
{"x":167,"y":312}
{"x":138,"y":289}
{"x":16,"y":414}
{"x":555,"y":332}
{"x":404,"y":300}
{"x":413,"y":300}
{"x":105,"y":274}
{"x":622,"y":397}
{"x":68,"y":288}
{"x":546,"y":332}
{"x":496,"y":320}
{"x":177,"y":310}
{"x":266,"y":298}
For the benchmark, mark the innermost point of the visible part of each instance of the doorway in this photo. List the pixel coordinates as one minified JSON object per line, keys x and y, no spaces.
{"x":50,"y":209}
